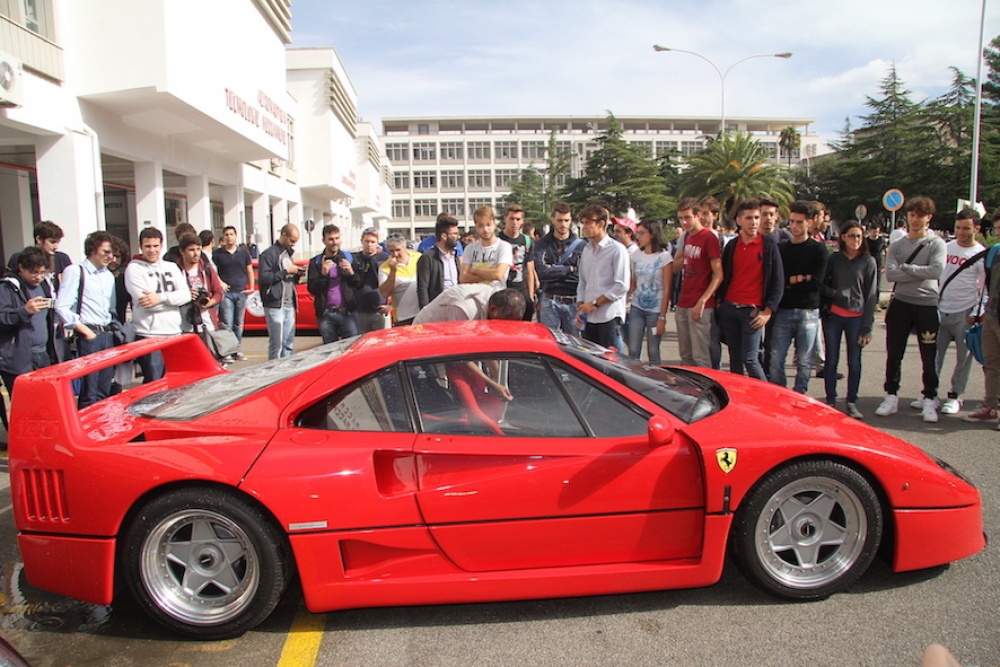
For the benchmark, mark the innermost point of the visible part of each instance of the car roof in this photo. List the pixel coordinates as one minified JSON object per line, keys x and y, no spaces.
{"x":423,"y":340}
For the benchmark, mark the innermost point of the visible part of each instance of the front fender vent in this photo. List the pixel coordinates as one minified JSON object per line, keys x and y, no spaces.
{"x":44,"y":495}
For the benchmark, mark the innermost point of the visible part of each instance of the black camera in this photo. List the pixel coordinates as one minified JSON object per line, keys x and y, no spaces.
{"x":202,"y":299}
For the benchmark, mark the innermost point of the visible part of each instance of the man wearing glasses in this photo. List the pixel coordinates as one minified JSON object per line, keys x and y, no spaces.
{"x":439,"y":268}
{"x":85,"y":303}
{"x":804,"y":263}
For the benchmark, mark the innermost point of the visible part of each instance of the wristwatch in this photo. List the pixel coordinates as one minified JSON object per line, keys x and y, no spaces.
{"x":594,"y":302}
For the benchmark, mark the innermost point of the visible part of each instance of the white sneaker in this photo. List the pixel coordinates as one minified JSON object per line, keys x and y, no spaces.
{"x":852,"y":411}
{"x":951,"y":406}
{"x":889,"y":406}
{"x":929,"y":413}
{"x":918,"y":403}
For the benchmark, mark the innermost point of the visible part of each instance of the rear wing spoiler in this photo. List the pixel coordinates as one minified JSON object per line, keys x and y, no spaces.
{"x":45,"y":402}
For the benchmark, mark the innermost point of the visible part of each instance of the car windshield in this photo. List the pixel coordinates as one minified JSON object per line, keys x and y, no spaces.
{"x":205,"y":396}
{"x":686,"y":395}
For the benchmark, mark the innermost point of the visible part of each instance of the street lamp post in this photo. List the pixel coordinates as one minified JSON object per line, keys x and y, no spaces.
{"x":723,"y":74}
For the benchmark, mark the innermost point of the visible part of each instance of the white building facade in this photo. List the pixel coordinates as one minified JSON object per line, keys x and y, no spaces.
{"x":459,"y":164}
{"x":126,"y":114}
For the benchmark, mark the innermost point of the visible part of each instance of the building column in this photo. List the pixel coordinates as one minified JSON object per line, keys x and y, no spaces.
{"x":15,"y":210}
{"x":199,"y":204}
{"x":70,"y":190}
{"x":261,"y":219}
{"x":232,"y":211}
{"x":149,"y":203}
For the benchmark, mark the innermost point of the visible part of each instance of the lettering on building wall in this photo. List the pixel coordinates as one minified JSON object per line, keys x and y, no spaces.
{"x":265,"y":115}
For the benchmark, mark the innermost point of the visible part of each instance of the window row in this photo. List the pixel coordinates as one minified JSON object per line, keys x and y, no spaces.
{"x":429,"y":151}
{"x":474,"y":179}
{"x":429,"y":208}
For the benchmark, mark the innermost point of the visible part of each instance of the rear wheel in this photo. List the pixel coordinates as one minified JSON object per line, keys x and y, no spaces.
{"x":205,"y":563}
{"x":808,"y":530}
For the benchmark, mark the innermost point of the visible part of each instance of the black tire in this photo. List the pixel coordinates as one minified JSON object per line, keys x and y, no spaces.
{"x":808,"y":530}
{"x":205,"y":562}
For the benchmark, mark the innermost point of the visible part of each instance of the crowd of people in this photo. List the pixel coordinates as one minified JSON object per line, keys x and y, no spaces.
{"x":746,"y":282}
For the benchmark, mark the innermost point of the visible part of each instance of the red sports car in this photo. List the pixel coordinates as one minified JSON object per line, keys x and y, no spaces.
{"x":452,"y":463}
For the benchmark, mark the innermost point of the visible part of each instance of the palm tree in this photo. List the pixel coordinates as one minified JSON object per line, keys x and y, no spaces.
{"x":790,"y":141}
{"x":732,"y":168}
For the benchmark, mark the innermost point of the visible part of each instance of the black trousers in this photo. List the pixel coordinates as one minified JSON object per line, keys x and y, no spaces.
{"x":900,"y":319}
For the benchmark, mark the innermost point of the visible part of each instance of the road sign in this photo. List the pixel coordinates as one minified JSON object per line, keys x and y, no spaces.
{"x":893,"y":200}
{"x":310,"y":225}
{"x":860,"y":212}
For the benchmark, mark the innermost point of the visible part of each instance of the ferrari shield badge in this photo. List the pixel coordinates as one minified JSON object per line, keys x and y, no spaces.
{"x":726,"y":459}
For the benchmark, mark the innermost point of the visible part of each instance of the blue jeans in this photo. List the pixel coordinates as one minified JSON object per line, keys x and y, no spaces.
{"x":802,"y":326}
{"x":151,"y":365}
{"x":558,"y":316}
{"x":742,"y":339}
{"x":337,"y":325}
{"x":232,"y":310}
{"x":96,"y":386}
{"x":280,"y":332}
{"x":835,"y":326}
{"x":643,"y":322}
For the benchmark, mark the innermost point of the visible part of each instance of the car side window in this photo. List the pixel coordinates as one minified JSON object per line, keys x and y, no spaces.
{"x":492,"y":396}
{"x":373,"y":404}
{"x":606,"y":416}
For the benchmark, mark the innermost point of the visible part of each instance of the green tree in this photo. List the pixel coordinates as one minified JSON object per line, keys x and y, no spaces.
{"x":538,"y":188}
{"x":790,"y":141}
{"x":733,"y":167}
{"x":623,"y":175}
{"x":989,"y":131}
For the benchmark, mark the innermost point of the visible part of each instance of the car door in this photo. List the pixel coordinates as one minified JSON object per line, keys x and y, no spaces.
{"x":525,"y":462}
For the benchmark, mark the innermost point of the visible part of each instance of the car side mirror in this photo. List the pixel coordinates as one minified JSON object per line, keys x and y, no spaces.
{"x":661,"y":431}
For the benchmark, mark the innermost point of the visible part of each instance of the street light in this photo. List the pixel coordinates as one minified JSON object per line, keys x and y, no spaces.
{"x":723,"y":74}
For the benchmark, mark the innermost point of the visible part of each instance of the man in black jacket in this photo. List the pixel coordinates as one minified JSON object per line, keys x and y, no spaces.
{"x":439,"y":268}
{"x":556,"y":257}
{"x":333,"y":282}
{"x":278,"y":276}
{"x":29,"y":329}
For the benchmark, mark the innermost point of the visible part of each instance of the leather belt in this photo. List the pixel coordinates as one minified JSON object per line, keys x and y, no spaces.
{"x":559,"y":298}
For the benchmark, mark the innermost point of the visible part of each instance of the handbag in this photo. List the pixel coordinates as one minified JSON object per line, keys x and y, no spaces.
{"x":974,"y":341}
{"x":220,"y":342}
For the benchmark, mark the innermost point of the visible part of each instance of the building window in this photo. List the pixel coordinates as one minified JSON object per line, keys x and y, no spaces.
{"x":478,"y":203}
{"x":532,"y":150}
{"x":454,"y":207}
{"x":451,"y":150}
{"x":398,"y":152}
{"x":665,"y":148}
{"x":401,"y":209}
{"x":689,"y":148}
{"x":796,"y":154}
{"x":505,"y":150}
{"x":424,"y":208}
{"x":478,"y":150}
{"x":423,"y":128}
{"x":479,"y":178}
{"x":424,"y":180}
{"x":564,"y":147}
{"x":646,"y":146}
{"x":504,"y":177}
{"x":452,"y":179}
{"x":560,"y":180}
{"x":401,"y":181}
{"x":424,"y":151}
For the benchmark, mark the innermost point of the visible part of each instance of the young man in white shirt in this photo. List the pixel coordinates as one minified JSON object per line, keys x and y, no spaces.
{"x":959,"y":298}
{"x":488,"y":259}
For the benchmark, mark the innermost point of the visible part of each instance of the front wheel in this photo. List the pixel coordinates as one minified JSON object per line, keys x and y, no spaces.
{"x":205,"y":563}
{"x":808,"y":530}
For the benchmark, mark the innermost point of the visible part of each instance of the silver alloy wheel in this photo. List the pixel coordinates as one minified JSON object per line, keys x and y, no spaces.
{"x":200,"y":567}
{"x":810,"y":532}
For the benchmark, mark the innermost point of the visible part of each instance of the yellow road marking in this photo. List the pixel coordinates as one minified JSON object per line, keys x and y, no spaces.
{"x":302,"y":645}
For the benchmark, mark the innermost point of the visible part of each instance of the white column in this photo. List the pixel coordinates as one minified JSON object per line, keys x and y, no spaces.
{"x":261,"y":219}
{"x":15,"y":210}
{"x":70,"y":192}
{"x":232,"y":210}
{"x":149,"y":202}
{"x":199,"y":204}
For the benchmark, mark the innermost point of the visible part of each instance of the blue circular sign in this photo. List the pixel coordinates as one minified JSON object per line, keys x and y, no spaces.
{"x":893,"y":200}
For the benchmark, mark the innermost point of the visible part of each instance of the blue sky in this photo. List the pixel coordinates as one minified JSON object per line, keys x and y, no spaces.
{"x":584,"y":57}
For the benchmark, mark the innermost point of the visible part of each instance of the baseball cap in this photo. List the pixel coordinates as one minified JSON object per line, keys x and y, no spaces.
{"x":627,"y":223}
